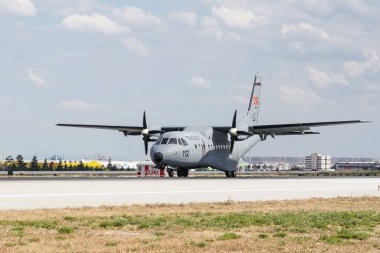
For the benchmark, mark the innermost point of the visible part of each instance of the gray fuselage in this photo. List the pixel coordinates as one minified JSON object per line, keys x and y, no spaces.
{"x":194,"y":149}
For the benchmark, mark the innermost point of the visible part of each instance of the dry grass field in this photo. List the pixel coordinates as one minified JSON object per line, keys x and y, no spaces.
{"x":314,"y":225}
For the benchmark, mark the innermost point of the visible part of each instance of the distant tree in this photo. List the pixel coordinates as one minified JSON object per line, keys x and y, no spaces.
{"x":65,"y":167}
{"x":59,"y":167}
{"x":80,"y":166}
{"x":109,"y":165}
{"x":9,"y":161}
{"x":34,"y":163}
{"x":45,"y":165}
{"x":20,"y":162}
{"x":51,"y":166}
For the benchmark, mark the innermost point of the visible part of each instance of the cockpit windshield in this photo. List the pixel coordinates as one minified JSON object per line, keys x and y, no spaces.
{"x":179,"y":141}
{"x":172,"y":141}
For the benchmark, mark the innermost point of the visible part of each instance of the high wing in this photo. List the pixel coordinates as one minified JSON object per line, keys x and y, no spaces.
{"x":130,"y":130}
{"x":289,"y":129}
{"x":276,"y":129}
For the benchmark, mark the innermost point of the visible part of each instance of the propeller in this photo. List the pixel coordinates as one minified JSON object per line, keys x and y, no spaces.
{"x":235,"y":133}
{"x":146,"y":133}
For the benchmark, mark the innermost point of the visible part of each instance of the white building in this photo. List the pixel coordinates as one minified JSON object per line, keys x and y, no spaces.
{"x":318,"y":162}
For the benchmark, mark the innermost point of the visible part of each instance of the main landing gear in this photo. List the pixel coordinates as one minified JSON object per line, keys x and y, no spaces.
{"x":182,"y":172}
{"x":230,"y":174}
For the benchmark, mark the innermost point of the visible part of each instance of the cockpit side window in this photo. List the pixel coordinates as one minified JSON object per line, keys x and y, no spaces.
{"x":184,"y":142}
{"x":158,"y":141}
{"x":172,"y":141}
{"x":164,"y":140}
{"x":179,"y":141}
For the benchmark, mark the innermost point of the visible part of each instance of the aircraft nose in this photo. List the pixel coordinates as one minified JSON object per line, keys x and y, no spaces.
{"x":158,"y":157}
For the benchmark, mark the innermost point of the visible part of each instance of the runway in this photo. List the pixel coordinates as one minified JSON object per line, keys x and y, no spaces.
{"x":58,"y":193}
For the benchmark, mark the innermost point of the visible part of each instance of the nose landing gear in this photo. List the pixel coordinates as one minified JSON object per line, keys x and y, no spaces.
{"x":170,"y":171}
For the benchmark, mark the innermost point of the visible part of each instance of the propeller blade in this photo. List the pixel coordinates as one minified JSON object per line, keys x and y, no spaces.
{"x":144,"y":122}
{"x":232,"y":144}
{"x":234,"y":120}
{"x":156,"y":132}
{"x":146,"y":145}
{"x":243,"y":133}
{"x":233,"y":137}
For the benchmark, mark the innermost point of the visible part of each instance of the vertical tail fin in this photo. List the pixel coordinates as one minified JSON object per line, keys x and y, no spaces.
{"x":254,"y":103}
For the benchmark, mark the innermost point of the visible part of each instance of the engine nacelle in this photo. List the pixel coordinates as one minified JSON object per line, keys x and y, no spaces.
{"x":125,"y":133}
{"x":153,"y":138}
{"x":242,"y":137}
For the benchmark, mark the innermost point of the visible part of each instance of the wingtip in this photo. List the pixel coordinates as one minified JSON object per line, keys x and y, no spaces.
{"x":366,"y":121}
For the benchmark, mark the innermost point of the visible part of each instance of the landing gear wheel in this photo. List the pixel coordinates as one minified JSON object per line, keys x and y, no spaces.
{"x":182,"y":172}
{"x":230,"y":174}
{"x":170,"y":172}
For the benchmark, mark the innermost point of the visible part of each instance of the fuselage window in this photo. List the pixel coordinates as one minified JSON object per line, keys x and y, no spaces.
{"x":184,"y":142}
{"x":164,"y":140}
{"x":195,"y":146}
{"x":172,"y":141}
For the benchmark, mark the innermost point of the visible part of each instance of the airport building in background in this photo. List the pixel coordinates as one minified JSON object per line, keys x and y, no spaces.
{"x":317,"y":161}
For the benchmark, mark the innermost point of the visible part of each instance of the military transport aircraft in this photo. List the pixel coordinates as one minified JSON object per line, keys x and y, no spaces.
{"x":181,"y":148}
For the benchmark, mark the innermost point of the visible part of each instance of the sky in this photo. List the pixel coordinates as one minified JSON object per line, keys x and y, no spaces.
{"x":186,"y":63}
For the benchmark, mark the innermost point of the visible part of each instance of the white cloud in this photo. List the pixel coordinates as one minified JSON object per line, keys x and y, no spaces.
{"x":372,"y":88}
{"x":306,"y":28}
{"x":94,"y":23}
{"x":209,"y":26}
{"x":19,"y":7}
{"x":76,"y":104}
{"x":234,"y":36}
{"x":200,"y":82}
{"x":236,"y":17}
{"x":290,"y":95}
{"x":188,"y":18}
{"x":137,"y":16}
{"x":298,"y":46}
{"x":135,"y":45}
{"x":323,"y":79}
{"x":359,"y":6}
{"x":39,"y":81}
{"x":355,"y":68}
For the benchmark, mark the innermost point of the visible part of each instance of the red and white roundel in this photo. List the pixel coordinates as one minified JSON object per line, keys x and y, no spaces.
{"x":256,"y":101}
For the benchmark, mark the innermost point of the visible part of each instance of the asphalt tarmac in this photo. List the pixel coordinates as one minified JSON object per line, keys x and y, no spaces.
{"x":69,"y":192}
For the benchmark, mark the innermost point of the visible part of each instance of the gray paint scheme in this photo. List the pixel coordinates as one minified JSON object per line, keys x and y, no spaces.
{"x":210,"y":146}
